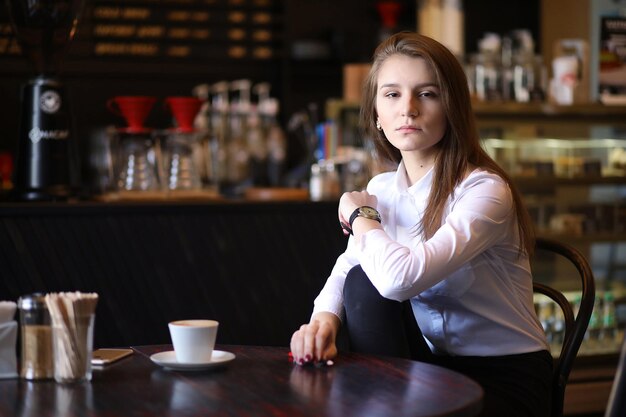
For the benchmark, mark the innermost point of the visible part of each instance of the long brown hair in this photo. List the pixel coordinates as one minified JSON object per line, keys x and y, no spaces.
{"x":460,"y":147}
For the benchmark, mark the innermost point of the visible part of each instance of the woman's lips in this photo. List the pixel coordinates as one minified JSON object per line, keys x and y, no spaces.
{"x":408,"y":129}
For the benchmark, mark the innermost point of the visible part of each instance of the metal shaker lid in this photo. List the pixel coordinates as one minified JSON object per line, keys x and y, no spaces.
{"x":33,"y":301}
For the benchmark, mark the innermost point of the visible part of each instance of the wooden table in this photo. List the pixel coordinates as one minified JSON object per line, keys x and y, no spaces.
{"x":260,"y":381}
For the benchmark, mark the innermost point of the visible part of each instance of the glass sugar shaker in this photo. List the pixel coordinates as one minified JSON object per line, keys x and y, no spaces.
{"x":36,"y":338}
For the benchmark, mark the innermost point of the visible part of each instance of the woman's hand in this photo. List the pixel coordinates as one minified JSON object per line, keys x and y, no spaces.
{"x":315,"y":341}
{"x":351,"y":201}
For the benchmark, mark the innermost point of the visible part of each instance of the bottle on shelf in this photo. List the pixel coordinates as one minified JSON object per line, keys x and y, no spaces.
{"x":257,"y":148}
{"x":545,"y":312}
{"x":276,"y":141}
{"x":237,"y":152}
{"x":203,"y":126}
{"x":558,"y":330}
{"x":324,"y":183}
{"x":219,"y":132}
{"x":593,"y":337}
{"x":529,"y":74}
{"x":487,"y":69}
{"x":609,"y":322}
{"x":507,"y":61}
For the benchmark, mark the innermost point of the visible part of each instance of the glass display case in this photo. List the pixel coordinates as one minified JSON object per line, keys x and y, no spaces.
{"x":561,"y":158}
{"x":575,"y":190}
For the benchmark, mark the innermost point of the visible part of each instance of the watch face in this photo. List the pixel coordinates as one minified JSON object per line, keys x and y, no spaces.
{"x":365,"y":212}
{"x":369,"y":212}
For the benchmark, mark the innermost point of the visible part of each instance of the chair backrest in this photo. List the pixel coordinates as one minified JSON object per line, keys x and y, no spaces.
{"x":616,"y":407}
{"x":575,"y":325}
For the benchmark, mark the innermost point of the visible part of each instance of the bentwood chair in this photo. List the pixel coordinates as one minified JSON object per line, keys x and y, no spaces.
{"x":575,"y":325}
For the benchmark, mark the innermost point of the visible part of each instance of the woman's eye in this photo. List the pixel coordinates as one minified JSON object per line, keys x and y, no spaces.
{"x":391,"y":94}
{"x":427,"y":94}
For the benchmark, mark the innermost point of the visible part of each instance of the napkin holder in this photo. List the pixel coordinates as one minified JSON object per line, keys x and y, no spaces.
{"x":8,"y":356}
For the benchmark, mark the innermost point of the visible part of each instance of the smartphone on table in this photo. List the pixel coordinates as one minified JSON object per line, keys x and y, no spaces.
{"x":102,"y":357}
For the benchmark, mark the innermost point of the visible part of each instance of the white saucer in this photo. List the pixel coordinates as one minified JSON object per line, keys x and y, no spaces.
{"x":168,"y":360}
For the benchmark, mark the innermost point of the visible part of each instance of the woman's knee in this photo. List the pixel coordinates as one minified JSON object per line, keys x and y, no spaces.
{"x":359,"y":290}
{"x":355,"y":276}
{"x":357,"y":284}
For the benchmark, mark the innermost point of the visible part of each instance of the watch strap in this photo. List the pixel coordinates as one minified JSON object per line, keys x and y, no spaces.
{"x":346,"y":228}
{"x":353,"y":216}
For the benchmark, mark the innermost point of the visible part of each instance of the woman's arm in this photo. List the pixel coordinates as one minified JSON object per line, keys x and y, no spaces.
{"x":481,"y":216}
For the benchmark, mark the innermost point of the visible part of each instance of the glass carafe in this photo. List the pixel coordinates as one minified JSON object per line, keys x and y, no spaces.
{"x":182,"y":160}
{"x":138,"y":162}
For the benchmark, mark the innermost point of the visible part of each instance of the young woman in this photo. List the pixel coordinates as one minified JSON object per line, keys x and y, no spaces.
{"x":437,"y":267}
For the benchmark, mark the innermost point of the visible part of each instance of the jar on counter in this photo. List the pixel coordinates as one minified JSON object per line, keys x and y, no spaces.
{"x":324,"y":183}
{"x":36,"y":338}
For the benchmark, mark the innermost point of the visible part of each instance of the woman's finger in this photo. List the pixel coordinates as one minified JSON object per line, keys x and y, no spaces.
{"x":308,"y":350}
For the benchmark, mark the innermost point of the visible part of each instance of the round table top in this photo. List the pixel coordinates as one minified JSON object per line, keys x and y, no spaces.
{"x":259,"y":381}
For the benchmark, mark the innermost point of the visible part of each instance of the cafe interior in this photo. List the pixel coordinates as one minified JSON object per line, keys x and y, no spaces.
{"x":183,"y":159}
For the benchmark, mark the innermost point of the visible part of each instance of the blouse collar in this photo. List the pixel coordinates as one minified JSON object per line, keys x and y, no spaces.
{"x":402,"y":180}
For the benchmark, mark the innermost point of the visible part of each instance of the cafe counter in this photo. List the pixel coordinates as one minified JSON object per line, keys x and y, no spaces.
{"x":254,"y":266}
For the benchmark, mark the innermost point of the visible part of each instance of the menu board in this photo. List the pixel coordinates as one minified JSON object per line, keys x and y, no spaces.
{"x":171,"y":30}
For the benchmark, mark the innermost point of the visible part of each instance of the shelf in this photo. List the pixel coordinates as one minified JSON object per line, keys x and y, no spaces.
{"x":517,"y":110}
{"x":585,"y":238}
{"x":545,"y":182}
{"x":548,"y":110}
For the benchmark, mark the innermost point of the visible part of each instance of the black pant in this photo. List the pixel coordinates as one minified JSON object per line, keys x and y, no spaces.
{"x":514,"y":385}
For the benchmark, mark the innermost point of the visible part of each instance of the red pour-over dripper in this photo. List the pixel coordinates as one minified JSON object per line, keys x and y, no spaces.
{"x":184,"y":110}
{"x":134,"y":109}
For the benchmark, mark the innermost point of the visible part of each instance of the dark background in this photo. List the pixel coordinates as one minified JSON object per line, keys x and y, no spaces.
{"x":255,"y":268}
{"x":348,"y":29}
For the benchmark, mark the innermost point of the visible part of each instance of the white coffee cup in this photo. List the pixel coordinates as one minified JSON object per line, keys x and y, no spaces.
{"x":193,"y":340}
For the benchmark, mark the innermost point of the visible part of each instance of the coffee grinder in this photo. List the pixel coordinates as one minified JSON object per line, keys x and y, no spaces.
{"x":44,"y":29}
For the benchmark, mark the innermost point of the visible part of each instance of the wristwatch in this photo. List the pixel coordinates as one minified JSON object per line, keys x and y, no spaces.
{"x":367,"y":212}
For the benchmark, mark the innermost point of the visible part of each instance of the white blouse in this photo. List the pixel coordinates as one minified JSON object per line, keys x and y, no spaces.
{"x":469,"y":286}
